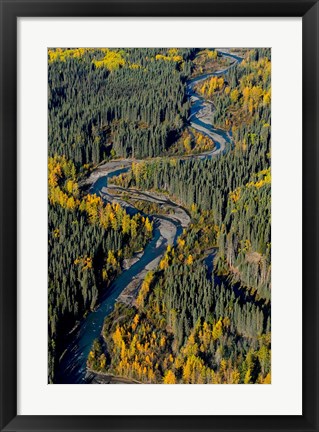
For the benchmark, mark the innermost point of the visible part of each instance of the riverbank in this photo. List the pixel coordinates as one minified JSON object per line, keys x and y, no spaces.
{"x":93,"y":377}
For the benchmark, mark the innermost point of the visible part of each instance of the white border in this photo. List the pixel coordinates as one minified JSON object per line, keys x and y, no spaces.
{"x":283,"y":396}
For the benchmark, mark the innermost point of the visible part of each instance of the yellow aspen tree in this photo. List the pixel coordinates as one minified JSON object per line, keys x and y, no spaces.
{"x":117,"y":337}
{"x":148,"y":225}
{"x":71,"y":203}
{"x":111,"y":259}
{"x":234,"y":95}
{"x":180,"y":242}
{"x":187,"y":372}
{"x":126,"y":224}
{"x":235,"y":377}
{"x":135,"y":322}
{"x":102,"y":361}
{"x":169,"y":378}
{"x":113,"y":220}
{"x":133,"y":228}
{"x":267,"y":379}
{"x":164,"y":262}
{"x":220,"y":83}
{"x":151,"y":375}
{"x":247,"y":379}
{"x":267,"y":98}
{"x":217,"y":330}
{"x":189,"y":260}
{"x":162,"y":341}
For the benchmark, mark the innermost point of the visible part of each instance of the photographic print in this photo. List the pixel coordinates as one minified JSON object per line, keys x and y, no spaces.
{"x":159,"y":215}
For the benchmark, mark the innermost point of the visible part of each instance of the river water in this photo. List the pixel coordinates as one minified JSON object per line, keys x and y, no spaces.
{"x":72,"y":365}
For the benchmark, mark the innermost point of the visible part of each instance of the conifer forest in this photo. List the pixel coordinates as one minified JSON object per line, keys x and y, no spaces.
{"x":159,"y":215}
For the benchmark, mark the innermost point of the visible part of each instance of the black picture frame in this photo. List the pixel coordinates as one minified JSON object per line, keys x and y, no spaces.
{"x":10,"y":11}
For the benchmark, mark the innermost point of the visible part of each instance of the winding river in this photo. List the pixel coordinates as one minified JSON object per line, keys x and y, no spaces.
{"x":72,"y":364}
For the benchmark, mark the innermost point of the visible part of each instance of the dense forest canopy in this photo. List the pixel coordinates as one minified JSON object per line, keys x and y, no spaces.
{"x":203,"y":314}
{"x":132,"y":102}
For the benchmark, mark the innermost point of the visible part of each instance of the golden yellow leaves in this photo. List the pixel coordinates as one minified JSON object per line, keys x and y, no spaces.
{"x":267,"y":379}
{"x":59,"y":169}
{"x":135,"y":348}
{"x":211,"y":86}
{"x":64,"y":191}
{"x":211,"y":54}
{"x":57,"y":196}
{"x":175,"y":58}
{"x":173,"y":52}
{"x":85,"y":262}
{"x":139,"y":170}
{"x":235,"y":195}
{"x":194,"y":209}
{"x":54,"y":172}
{"x":162,"y":341}
{"x":145,"y":287}
{"x":102,"y":361}
{"x":247,"y":379}
{"x":117,"y":337}
{"x":267,"y":98}
{"x":112,"y":60}
{"x":217,"y":330}
{"x":264,"y":178}
{"x":61,"y":54}
{"x":135,"y":322}
{"x":189,"y":260}
{"x":56,"y":233}
{"x":72,"y":187}
{"x":169,"y":378}
{"x":181,"y":242}
{"x":148,"y":225}
{"x":163,"y":263}
{"x":234,"y":95}
{"x":111,"y":259}
{"x":188,"y":144}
